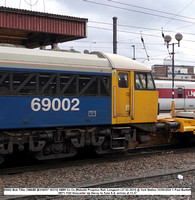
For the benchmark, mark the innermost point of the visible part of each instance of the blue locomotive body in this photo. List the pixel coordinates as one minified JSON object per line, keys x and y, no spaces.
{"x":40,"y":112}
{"x":45,"y":89}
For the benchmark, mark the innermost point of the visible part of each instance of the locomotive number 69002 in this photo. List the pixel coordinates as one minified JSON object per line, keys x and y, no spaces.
{"x":55,"y":104}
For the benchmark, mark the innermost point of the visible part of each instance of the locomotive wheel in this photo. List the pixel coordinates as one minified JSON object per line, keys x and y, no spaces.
{"x":41,"y":156}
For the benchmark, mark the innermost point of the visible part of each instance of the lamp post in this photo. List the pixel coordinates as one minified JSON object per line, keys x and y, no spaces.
{"x":167,"y":39}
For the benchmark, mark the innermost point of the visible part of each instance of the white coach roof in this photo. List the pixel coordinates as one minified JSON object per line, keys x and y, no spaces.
{"x":185,"y":84}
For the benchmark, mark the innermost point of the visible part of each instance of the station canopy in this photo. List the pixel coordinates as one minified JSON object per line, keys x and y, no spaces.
{"x":34,"y":29}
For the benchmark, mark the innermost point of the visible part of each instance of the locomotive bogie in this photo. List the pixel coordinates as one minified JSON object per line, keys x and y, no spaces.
{"x":61,"y":143}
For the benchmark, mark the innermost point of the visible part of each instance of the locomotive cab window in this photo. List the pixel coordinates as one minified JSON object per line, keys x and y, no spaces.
{"x":123,"y":80}
{"x":144,"y":81}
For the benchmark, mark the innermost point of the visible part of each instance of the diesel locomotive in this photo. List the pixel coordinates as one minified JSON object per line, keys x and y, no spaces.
{"x":53,"y":103}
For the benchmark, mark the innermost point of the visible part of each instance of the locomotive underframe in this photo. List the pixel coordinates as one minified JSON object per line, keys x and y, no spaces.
{"x":64,"y":142}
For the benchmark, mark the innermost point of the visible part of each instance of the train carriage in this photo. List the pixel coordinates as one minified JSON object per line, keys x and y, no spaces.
{"x":184,"y":94}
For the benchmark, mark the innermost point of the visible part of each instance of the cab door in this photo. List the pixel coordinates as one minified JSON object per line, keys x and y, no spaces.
{"x":122,"y":92}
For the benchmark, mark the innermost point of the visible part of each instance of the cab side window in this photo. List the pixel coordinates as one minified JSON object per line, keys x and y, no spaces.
{"x":140,"y":81}
{"x":123,"y":80}
{"x":144,"y":81}
{"x":150,"y":82}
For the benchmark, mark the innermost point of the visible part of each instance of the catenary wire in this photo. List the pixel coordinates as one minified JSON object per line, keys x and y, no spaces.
{"x":139,"y":27}
{"x":127,"y":9}
{"x":150,"y":35}
{"x":154,"y":10}
{"x":178,"y":13}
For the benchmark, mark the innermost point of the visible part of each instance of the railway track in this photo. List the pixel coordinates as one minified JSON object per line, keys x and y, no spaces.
{"x":129,"y":182}
{"x":147,"y":178}
{"x":149,"y":151}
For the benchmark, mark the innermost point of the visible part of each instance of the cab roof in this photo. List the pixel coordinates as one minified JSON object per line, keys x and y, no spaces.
{"x":122,"y":63}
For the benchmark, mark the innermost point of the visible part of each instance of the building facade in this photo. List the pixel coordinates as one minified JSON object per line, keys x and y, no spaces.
{"x":181,"y":71}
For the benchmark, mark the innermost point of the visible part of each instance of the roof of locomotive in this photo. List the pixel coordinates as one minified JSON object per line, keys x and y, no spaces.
{"x":52,"y":60}
{"x":15,"y":57}
{"x":122,"y":63}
